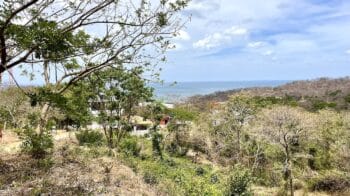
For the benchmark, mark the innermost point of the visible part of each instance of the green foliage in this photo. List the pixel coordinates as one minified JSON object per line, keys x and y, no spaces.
{"x":183,"y":114}
{"x":347,"y":98}
{"x":150,"y":178}
{"x":46,"y":94}
{"x":162,"y":19}
{"x":263,"y":102}
{"x":319,"y":105}
{"x":320,"y":159}
{"x":90,"y":138}
{"x":198,"y":143}
{"x":175,"y":149}
{"x":157,"y":139}
{"x":77,"y":107}
{"x":154,"y":112}
{"x":38,"y":145}
{"x":130,"y":147}
{"x":330,"y":182}
{"x":239,"y":182}
{"x":200,"y":171}
{"x":117,"y":93}
{"x":176,"y":175}
{"x":45,"y":163}
{"x":177,"y":142}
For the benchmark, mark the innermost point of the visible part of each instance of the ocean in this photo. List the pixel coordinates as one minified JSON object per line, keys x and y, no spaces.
{"x":173,"y":92}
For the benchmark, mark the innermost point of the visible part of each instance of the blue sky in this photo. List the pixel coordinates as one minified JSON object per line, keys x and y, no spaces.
{"x":235,"y":40}
{"x":228,"y":40}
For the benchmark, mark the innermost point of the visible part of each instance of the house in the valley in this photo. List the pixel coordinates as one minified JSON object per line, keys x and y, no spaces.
{"x":141,"y":126}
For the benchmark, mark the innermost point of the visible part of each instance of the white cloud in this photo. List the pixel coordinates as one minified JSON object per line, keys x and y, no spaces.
{"x":211,"y":41}
{"x":217,"y":39}
{"x":183,"y":35}
{"x":236,"y":31}
{"x":176,"y":46}
{"x":268,"y":53}
{"x":255,"y":44}
{"x":278,"y":34}
{"x":203,"y":5}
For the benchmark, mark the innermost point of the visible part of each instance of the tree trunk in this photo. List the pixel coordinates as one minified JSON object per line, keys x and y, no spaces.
{"x":239,"y":144}
{"x":46,"y":72}
{"x":110,"y":139}
{"x":43,"y":118}
{"x":291,"y":183}
{"x":289,"y":168}
{"x":45,"y":108}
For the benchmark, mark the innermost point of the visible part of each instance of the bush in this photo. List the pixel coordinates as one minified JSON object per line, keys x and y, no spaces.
{"x":214,"y":178}
{"x":130,"y":147}
{"x":38,"y":145}
{"x":298,"y":185}
{"x":331,"y":182}
{"x":239,"y":182}
{"x":200,"y":171}
{"x":176,"y":150}
{"x":150,"y":178}
{"x":198,"y":143}
{"x":157,"y":140}
{"x":88,"y":137}
{"x":45,"y":164}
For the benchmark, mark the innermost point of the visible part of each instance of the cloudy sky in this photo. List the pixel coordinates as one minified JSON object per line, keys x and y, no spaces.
{"x":228,"y":40}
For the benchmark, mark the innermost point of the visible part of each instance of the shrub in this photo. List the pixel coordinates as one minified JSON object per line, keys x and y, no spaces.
{"x":176,"y":150}
{"x":200,"y":171}
{"x":239,"y":182}
{"x":88,"y":137}
{"x":214,"y":179}
{"x":319,"y":105}
{"x":198,"y":142}
{"x":45,"y":164}
{"x":38,"y":145}
{"x":157,"y":140}
{"x":130,"y":147}
{"x":150,"y":178}
{"x":170,"y":162}
{"x":331,"y":182}
{"x":297,"y":184}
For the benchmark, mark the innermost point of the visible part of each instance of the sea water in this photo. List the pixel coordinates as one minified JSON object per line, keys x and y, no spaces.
{"x":172,"y":92}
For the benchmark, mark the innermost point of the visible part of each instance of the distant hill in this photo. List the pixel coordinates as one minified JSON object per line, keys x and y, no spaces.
{"x":311,"y":94}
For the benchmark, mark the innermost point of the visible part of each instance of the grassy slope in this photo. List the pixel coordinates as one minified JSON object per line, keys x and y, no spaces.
{"x":72,"y":170}
{"x":82,"y":170}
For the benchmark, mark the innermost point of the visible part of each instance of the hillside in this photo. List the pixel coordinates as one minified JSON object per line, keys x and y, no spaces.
{"x":310,"y":94}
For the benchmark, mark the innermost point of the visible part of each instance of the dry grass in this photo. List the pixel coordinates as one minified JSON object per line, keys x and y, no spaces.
{"x":265,"y":191}
{"x":9,"y":144}
{"x":67,"y":173}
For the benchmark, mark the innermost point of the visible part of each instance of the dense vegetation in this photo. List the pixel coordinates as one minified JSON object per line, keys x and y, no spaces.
{"x":280,"y":140}
{"x":229,"y":148}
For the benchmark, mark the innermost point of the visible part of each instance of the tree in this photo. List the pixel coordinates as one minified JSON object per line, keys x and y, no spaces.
{"x":55,"y":38}
{"x":238,"y":111}
{"x":117,"y":93}
{"x":14,"y":106}
{"x":283,"y":126}
{"x":76,"y":109}
{"x":179,"y":130}
{"x":155,"y":112}
{"x":239,"y":182}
